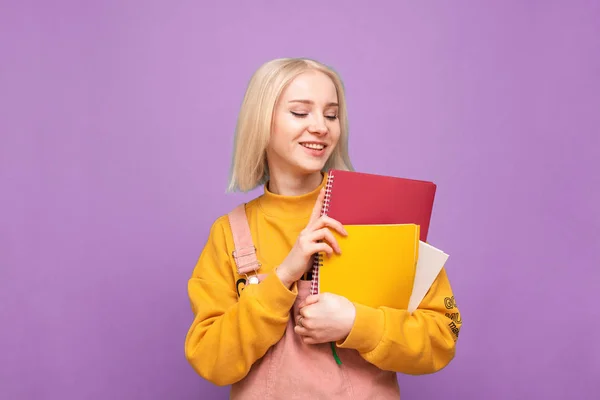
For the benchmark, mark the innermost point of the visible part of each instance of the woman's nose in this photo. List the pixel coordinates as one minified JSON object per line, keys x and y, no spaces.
{"x":318,"y":126}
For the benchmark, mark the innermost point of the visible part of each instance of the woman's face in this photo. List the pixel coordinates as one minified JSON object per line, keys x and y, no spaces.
{"x":306,"y":127}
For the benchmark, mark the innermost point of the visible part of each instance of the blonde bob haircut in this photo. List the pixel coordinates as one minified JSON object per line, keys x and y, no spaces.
{"x":255,"y":120}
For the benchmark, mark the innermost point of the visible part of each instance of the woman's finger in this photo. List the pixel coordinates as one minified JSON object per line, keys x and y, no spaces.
{"x":300,"y":330}
{"x":312,"y":299}
{"x":309,"y":340}
{"x":325,"y":234}
{"x":325,"y":221}
{"x":303,"y":324}
{"x":320,"y":247}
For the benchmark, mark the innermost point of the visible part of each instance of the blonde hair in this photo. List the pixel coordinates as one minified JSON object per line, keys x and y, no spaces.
{"x":253,"y":130}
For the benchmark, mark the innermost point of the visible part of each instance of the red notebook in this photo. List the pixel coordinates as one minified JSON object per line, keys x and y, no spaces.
{"x":357,"y":198}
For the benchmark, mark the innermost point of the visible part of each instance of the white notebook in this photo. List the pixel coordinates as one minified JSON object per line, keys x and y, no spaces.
{"x":429,"y":265}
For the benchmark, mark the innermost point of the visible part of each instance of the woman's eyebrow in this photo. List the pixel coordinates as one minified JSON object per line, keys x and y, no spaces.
{"x":333,"y":104}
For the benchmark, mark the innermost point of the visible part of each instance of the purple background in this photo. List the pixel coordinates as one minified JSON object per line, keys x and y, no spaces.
{"x":116,"y":123}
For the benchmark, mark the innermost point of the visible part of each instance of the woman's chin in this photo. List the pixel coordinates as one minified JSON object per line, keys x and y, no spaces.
{"x":310,"y":167}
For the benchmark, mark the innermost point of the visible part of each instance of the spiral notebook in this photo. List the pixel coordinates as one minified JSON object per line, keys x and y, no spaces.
{"x":377,"y":266}
{"x":358,"y":198}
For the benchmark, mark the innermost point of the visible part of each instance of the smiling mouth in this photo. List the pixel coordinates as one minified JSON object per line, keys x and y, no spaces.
{"x":314,"y":146}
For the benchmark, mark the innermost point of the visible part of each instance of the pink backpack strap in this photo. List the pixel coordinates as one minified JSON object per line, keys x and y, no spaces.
{"x":245,"y":252}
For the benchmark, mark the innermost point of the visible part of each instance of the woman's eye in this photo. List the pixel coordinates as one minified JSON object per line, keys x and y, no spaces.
{"x":302,"y":115}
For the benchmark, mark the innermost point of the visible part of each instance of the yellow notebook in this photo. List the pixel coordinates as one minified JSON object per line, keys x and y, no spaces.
{"x":377,"y":265}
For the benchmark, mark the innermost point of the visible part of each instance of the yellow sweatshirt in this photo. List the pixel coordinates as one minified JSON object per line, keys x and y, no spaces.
{"x":235,"y":326}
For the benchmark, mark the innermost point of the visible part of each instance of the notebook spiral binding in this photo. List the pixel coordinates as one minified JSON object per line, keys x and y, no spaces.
{"x":318,"y":259}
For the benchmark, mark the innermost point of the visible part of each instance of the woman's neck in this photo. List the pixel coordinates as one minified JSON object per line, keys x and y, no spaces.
{"x":287,"y":184}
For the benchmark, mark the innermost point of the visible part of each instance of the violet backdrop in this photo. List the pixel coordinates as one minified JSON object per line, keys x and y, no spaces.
{"x":116,"y":124}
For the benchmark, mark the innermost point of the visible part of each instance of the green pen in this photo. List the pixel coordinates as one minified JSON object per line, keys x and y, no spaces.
{"x":335,"y":355}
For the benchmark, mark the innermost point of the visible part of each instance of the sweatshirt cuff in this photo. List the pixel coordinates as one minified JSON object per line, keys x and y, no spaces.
{"x":367,"y":330}
{"x":274,"y":296}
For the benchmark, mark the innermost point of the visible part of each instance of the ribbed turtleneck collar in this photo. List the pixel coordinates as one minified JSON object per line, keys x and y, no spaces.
{"x":293,"y":207}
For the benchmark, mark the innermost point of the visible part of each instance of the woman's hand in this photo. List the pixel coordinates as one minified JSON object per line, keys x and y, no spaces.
{"x":308,"y":243}
{"x":324,"y":318}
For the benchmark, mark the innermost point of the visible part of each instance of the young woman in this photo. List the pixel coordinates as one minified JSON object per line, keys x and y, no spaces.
{"x":256,"y":327}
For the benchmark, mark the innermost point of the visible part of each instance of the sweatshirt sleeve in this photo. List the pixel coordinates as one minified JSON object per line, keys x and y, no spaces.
{"x":423,"y":342}
{"x":228,"y":334}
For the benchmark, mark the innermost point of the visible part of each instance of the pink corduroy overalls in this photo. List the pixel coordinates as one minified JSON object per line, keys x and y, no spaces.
{"x":293,"y":370}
